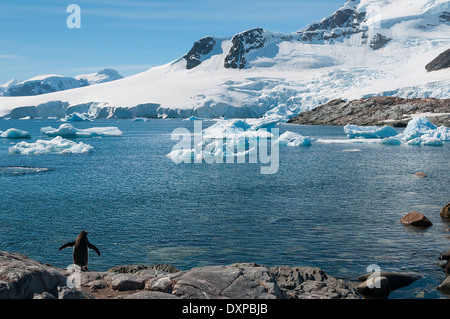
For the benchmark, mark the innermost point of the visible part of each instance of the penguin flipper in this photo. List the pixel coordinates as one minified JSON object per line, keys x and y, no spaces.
{"x":71,"y":244}
{"x":94,"y":248}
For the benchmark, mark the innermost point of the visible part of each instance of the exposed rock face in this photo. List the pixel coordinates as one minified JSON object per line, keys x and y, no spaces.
{"x":416,"y":219}
{"x":442,"y":61}
{"x":375,"y":111}
{"x":344,"y":21}
{"x":396,"y":280}
{"x":22,"y":278}
{"x":243,"y":43}
{"x":379,"y":41}
{"x":200,"y":48}
{"x":445,"y":212}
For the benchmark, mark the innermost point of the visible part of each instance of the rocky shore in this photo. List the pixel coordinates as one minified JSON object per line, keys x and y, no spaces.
{"x":393,"y":111}
{"x":23,"y":278}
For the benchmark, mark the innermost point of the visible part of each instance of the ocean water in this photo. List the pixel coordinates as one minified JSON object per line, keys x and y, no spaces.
{"x":336,"y":207}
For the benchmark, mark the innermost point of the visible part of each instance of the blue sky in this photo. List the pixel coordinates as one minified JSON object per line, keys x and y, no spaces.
{"x":131,"y":36}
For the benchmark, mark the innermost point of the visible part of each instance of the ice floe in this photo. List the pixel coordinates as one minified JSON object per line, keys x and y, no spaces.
{"x":58,"y":145}
{"x":355,"y":131}
{"x":69,"y":131}
{"x":419,"y":132}
{"x":15,"y":133}
{"x":293,"y":139}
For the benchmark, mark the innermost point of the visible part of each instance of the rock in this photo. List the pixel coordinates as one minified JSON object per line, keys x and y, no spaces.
{"x":375,"y":111}
{"x":442,"y":61}
{"x":149,"y":295}
{"x":72,"y":293}
{"x":23,"y":278}
{"x":377,"y":286}
{"x":446,"y":256}
{"x":396,"y":280}
{"x":416,"y":219}
{"x":311,"y":282}
{"x":445,"y":286}
{"x":127,"y":282}
{"x":44,"y":295}
{"x":420,"y":174}
{"x":139,"y":269}
{"x":97,"y":284}
{"x":445,"y":212}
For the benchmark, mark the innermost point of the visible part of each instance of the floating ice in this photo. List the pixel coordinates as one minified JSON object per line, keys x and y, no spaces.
{"x":192,"y":118}
{"x":76,"y":117}
{"x":443,"y":133}
{"x":22,"y":170}
{"x":417,"y":127}
{"x":69,"y":131}
{"x":58,"y":145}
{"x":15,"y":133}
{"x":293,"y":139}
{"x":355,"y":131}
{"x":426,"y":140}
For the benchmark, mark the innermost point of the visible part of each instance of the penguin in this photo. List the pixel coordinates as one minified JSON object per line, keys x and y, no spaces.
{"x":446,"y":256}
{"x":81,"y":247}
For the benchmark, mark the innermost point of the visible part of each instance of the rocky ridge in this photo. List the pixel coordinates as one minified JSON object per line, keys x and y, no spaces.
{"x":394,"y":111}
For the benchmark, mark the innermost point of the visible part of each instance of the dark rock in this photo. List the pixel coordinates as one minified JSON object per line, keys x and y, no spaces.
{"x":396,"y":280}
{"x":445,"y":16}
{"x":442,"y":61}
{"x":446,"y":256}
{"x":445,"y":212}
{"x":445,"y":286}
{"x":377,"y":286}
{"x":200,"y":48}
{"x":416,"y":219}
{"x":379,"y":41}
{"x":243,"y":43}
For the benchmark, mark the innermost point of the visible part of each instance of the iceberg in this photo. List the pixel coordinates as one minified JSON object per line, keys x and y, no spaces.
{"x":355,"y":131}
{"x":418,"y":126}
{"x":293,"y":139}
{"x":425,"y":140}
{"x":69,"y":131}
{"x":58,"y":145}
{"x":14,"y":133}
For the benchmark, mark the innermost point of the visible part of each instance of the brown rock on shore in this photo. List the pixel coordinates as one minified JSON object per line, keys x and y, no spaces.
{"x":416,"y":219}
{"x":445,"y":212}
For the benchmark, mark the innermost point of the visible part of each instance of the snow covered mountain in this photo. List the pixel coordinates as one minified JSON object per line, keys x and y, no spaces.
{"x":43,"y":84}
{"x":366,"y":48}
{"x":102,"y":76}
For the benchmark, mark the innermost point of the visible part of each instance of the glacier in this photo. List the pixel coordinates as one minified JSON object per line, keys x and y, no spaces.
{"x":366,"y":48}
{"x":58,"y":145}
{"x":69,"y":131}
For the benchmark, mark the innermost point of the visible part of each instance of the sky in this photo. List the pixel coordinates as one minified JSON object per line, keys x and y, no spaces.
{"x":131,"y":36}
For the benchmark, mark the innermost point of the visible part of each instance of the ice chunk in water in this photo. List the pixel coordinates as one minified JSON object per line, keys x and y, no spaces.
{"x":58,"y":145}
{"x":69,"y":131}
{"x":14,"y":133}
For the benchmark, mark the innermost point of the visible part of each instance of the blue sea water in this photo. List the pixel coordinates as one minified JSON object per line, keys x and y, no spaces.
{"x":326,"y":206}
